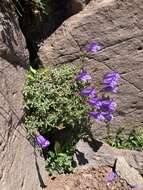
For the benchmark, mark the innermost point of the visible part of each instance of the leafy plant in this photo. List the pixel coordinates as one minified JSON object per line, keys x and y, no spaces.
{"x":52,"y":100}
{"x":59,"y":103}
{"x":59,"y":161}
{"x":37,"y":7}
{"x":134,"y":140}
{"x":53,"y":107}
{"x":42,"y":5}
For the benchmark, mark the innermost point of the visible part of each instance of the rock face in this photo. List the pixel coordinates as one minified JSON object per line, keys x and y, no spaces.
{"x":128,"y":173}
{"x":96,"y":153}
{"x":20,"y":167}
{"x":117,"y":25}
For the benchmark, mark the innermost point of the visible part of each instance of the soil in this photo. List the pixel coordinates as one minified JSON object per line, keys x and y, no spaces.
{"x":86,"y":178}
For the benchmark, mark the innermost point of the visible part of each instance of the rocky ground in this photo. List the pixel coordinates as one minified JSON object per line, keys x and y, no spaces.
{"x":87,"y":178}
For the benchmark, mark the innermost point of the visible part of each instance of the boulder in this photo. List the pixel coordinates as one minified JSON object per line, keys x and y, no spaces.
{"x":116,"y":25}
{"x":21,"y":166}
{"x":92,"y":152}
{"x":129,"y":174}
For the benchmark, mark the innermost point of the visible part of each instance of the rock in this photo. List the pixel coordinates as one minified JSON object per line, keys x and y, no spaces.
{"x":12,"y":43}
{"x":75,"y":6}
{"x":97,"y":153}
{"x":117,"y":26}
{"x":21,"y":166}
{"x":66,"y":187}
{"x":138,"y":187}
{"x":128,"y":173}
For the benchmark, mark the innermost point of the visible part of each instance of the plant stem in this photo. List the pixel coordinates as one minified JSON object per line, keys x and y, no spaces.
{"x":108,"y":125}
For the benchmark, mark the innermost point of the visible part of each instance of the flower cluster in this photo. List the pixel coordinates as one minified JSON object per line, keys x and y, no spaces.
{"x":83,"y":76}
{"x":104,"y":106}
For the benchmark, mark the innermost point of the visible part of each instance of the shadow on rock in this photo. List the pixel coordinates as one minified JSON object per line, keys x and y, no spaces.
{"x":94,"y":144}
{"x":81,"y":158}
{"x":85,"y":148}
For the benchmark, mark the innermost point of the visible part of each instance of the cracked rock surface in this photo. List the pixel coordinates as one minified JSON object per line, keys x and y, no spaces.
{"x":117,"y":25}
{"x":19,"y":165}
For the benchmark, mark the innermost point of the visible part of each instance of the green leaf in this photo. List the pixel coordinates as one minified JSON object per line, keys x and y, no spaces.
{"x":32,"y":70}
{"x":57,"y":148}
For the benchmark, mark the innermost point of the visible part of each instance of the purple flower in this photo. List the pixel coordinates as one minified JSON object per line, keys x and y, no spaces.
{"x":109,"y":88}
{"x":93,"y":47}
{"x":107,"y":116}
{"x":97,"y":115}
{"x":111,"y":79}
{"x":88,"y":92}
{"x":104,"y":105}
{"x":112,"y":74}
{"x":41,"y":141}
{"x":108,"y":105}
{"x":83,"y":75}
{"x":101,"y":116}
{"x":95,"y":102}
{"x":112,"y":176}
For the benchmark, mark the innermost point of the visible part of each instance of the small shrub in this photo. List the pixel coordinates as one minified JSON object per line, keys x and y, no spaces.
{"x":52,"y":100}
{"x":56,"y":110}
{"x":59,"y":103}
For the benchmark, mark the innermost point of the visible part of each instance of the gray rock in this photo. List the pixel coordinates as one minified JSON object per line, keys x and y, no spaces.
{"x":97,"y":153}
{"x":131,"y":175}
{"x":117,"y":25}
{"x":21,"y":168}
